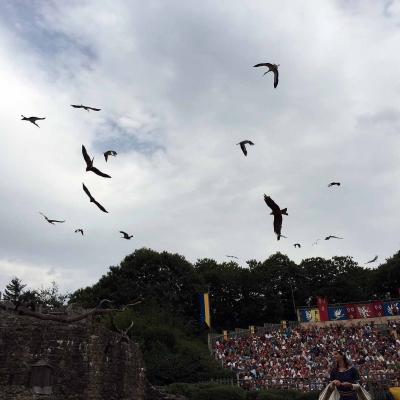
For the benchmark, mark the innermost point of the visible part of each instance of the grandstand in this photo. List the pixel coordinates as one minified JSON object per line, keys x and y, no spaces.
{"x":298,"y":355}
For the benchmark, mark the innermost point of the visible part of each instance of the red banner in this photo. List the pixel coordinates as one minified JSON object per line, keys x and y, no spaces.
{"x":352,"y":311}
{"x":322,"y":303}
{"x":366,"y":310}
{"x":378,"y":308}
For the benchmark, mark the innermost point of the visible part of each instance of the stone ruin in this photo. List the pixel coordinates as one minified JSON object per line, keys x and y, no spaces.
{"x":80,"y":360}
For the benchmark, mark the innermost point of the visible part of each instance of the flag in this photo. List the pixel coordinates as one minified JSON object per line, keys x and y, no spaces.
{"x":366,"y":310}
{"x":391,"y":308}
{"x":378,"y":308}
{"x":337,"y":313}
{"x":352,"y":311}
{"x":305,"y":315}
{"x":322,"y":303}
{"x":205,"y":309}
{"x":315,"y":317}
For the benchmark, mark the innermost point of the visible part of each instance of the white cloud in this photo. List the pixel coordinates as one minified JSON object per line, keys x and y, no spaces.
{"x":177,"y":91}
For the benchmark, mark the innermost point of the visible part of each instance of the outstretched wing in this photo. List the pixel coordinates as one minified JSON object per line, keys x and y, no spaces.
{"x":278,"y":224}
{"x":276,"y":77}
{"x":100,"y":206}
{"x":76,"y":106}
{"x":87,"y":192}
{"x":54,"y":220}
{"x":94,"y":109}
{"x":243,"y":147}
{"x":98,"y":172}
{"x":336,"y":237}
{"x":106,"y":154}
{"x":85,"y":154}
{"x":272,"y":205}
{"x":124,"y":233}
{"x":269,"y":65}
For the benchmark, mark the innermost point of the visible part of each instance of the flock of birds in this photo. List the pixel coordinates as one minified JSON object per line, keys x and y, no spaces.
{"x":89,"y":167}
{"x":276,"y":211}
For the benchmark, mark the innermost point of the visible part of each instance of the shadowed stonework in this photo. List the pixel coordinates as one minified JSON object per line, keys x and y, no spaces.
{"x":52,"y":360}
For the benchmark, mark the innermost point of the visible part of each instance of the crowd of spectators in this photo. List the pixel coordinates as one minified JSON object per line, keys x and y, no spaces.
{"x":302,"y":357}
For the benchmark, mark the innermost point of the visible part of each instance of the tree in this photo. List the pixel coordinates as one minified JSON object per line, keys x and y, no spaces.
{"x":51,"y":297}
{"x":14,"y":290}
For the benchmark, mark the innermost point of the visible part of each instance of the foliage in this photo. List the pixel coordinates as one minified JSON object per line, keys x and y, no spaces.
{"x":14,"y":290}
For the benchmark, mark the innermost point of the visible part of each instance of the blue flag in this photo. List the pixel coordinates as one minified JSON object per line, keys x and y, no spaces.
{"x":337,"y":313}
{"x":391,"y":308}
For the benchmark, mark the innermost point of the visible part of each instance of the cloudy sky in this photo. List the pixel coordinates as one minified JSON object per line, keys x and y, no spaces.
{"x":175,"y":83}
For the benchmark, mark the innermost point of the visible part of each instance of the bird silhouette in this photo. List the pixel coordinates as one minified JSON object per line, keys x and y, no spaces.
{"x":243,"y":145}
{"x":85,"y":107}
{"x":32,"y":119}
{"x":277,"y":213}
{"x":92,"y":199}
{"x":233,"y":257}
{"x":79,"y":230}
{"x":298,"y":245}
{"x":51,"y":221}
{"x":89,"y":164}
{"x":334,"y":184}
{"x":125,"y":235}
{"x":373,"y":260}
{"x":109,"y":153}
{"x":332,"y":237}
{"x":273,"y":68}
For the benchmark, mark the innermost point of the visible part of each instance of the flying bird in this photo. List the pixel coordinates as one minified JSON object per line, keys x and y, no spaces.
{"x":373,"y":260}
{"x":79,"y":230}
{"x":332,"y":237}
{"x":89,"y":164}
{"x":273,"y":68}
{"x":85,"y":107}
{"x":51,"y":221}
{"x":109,"y":153}
{"x":233,"y":257}
{"x":243,"y":145}
{"x":125,"y":235}
{"x":32,"y":119}
{"x":334,"y":184}
{"x":277,"y":213}
{"x":298,"y":245}
{"x":92,"y":199}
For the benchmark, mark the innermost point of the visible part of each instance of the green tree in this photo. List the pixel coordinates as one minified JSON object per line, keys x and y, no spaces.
{"x":14,"y":290}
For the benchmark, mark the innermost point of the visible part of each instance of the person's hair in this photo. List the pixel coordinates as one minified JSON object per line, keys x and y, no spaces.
{"x":345,"y":360}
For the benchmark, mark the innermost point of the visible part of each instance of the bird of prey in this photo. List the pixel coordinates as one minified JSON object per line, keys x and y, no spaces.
{"x":373,"y":260}
{"x":125,"y":235}
{"x":243,"y":145}
{"x":273,"y":68}
{"x":334,"y":184}
{"x":92,"y":199}
{"x":298,"y":245}
{"x":277,"y":213}
{"x":233,"y":257}
{"x":332,"y":237}
{"x":50,"y":221}
{"x":109,"y":153}
{"x":89,"y":164}
{"x":85,"y":107}
{"x":79,"y":230}
{"x":32,"y":119}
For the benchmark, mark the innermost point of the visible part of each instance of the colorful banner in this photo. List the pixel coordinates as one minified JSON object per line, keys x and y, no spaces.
{"x":322,"y":303}
{"x":205,"y":309}
{"x":352,"y":311}
{"x":378,"y":308}
{"x":309,"y":315}
{"x":337,"y":313}
{"x":391,"y":308}
{"x":366,"y":310}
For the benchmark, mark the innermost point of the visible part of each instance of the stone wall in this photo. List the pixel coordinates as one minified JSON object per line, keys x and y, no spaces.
{"x":79,"y":361}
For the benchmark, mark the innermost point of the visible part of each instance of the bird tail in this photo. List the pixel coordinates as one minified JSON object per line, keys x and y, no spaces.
{"x":284,"y":211}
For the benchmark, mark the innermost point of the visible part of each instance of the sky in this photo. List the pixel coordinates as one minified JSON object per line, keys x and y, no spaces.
{"x":177,"y":90}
